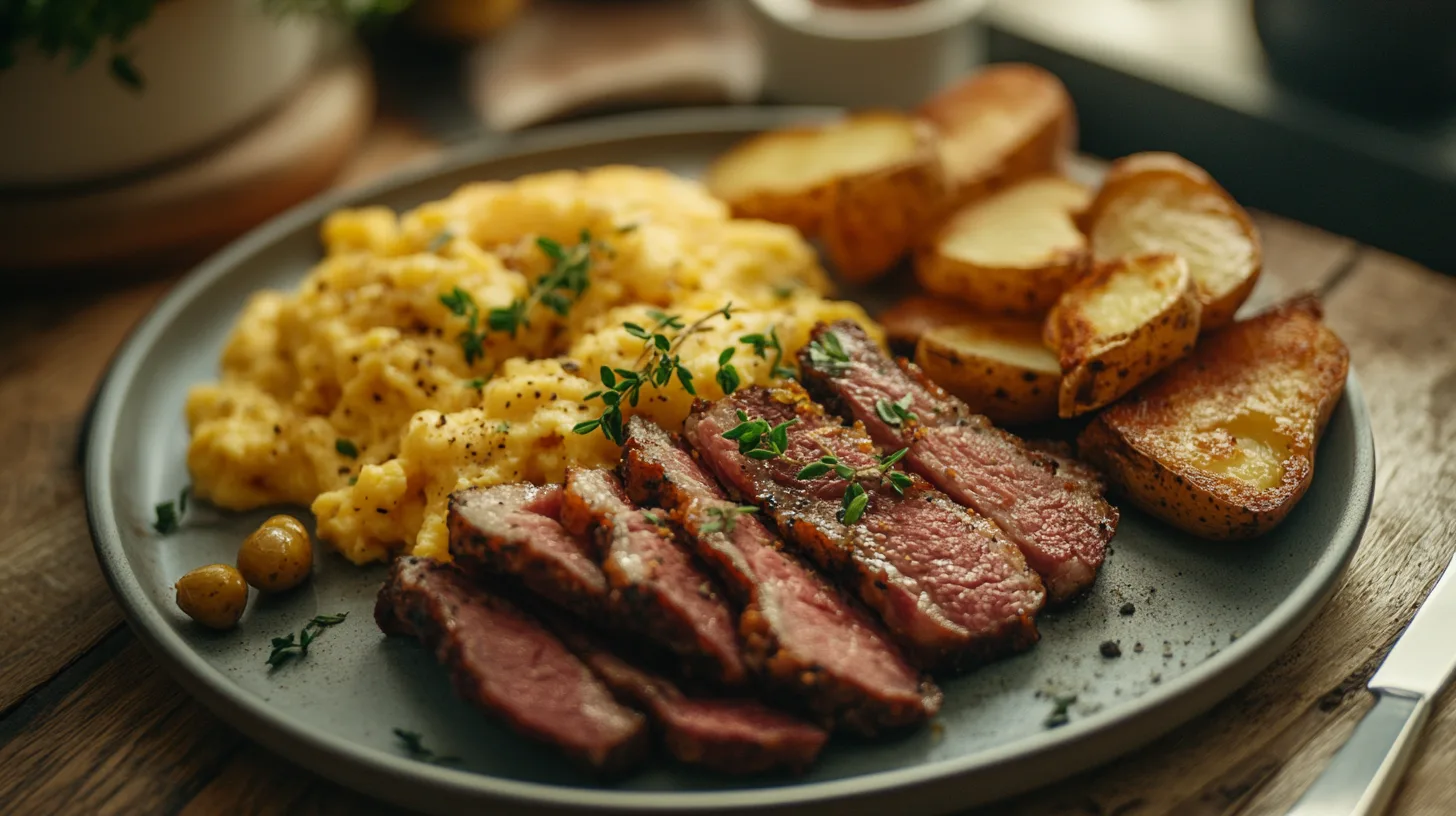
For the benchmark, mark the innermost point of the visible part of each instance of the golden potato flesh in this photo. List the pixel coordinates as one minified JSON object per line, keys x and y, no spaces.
{"x":1161,"y":203}
{"x":1222,"y":444}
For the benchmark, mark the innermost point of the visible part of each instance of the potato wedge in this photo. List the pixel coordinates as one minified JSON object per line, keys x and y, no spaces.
{"x":998,"y":367}
{"x":906,"y":321}
{"x":1119,"y":326}
{"x":868,"y":185}
{"x":1012,"y":252}
{"x":1161,"y":202}
{"x":1006,"y":122}
{"x":1223,"y":443}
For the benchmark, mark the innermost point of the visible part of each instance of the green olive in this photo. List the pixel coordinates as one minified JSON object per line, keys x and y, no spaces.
{"x":278,"y":556}
{"x":214,"y":595}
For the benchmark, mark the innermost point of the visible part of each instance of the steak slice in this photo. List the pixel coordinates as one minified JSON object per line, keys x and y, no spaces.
{"x":799,"y":632}
{"x":515,"y":530}
{"x":653,"y":578}
{"x":947,"y":584}
{"x":1050,"y":506}
{"x":508,"y":664}
{"x":737,"y":736}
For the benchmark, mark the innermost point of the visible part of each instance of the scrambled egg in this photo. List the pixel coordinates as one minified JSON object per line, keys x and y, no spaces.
{"x":353,"y":394}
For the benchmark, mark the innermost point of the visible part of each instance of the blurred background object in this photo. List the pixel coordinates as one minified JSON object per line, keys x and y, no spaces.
{"x":1292,"y":131}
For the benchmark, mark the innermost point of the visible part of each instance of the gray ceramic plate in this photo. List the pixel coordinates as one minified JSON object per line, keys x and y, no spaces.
{"x":1207,"y":616}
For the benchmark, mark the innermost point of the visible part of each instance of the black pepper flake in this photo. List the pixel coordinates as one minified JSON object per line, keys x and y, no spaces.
{"x":381,"y":511}
{"x":1109,"y":648}
{"x":1127,"y":608}
{"x":441,"y":422}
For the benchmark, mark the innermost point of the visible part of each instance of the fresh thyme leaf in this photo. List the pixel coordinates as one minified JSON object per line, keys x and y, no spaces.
{"x":441,"y":240}
{"x":504,"y":427}
{"x":472,"y":341}
{"x":723,"y":519}
{"x":557,"y":289}
{"x":123,"y":70}
{"x":784,"y":292}
{"x":1060,"y":715}
{"x":899,"y":481}
{"x":889,"y":459}
{"x":414,"y":745}
{"x":626,"y":228}
{"x":813,"y":470}
{"x":478,"y":383}
{"x":286,"y":648}
{"x":652,"y":518}
{"x":346,"y":448}
{"x":854,"y":503}
{"x":169,"y":514}
{"x":167,"y":519}
{"x":728,"y":378}
{"x":897,"y":412}
{"x":828,"y":354}
{"x":353,"y":480}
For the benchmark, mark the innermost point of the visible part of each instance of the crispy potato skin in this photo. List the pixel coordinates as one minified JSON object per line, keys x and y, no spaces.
{"x":1132,"y":175}
{"x":1284,"y":370}
{"x":906,"y":321}
{"x":982,"y":152}
{"x":1007,"y":391}
{"x":1098,"y":367}
{"x":873,"y":220}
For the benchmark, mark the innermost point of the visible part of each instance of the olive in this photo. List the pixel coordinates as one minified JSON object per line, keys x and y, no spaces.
{"x":214,"y":595}
{"x":278,"y":556}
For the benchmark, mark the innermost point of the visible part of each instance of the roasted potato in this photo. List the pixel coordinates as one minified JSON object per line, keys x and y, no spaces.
{"x":1222,"y":444}
{"x":1012,"y":252}
{"x":1161,"y":202}
{"x":906,"y":321}
{"x":1119,"y":326}
{"x":868,"y":186}
{"x":998,"y":367}
{"x":1004,"y":123}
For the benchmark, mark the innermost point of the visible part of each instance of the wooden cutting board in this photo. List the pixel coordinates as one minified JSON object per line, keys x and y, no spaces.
{"x":199,"y":202}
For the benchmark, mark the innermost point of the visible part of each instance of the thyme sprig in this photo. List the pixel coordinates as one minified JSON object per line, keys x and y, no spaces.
{"x":557,"y":290}
{"x":659,"y":364}
{"x":758,"y":440}
{"x":827,"y":353}
{"x":724,"y":519}
{"x":286,"y":648}
{"x":898,"y":412}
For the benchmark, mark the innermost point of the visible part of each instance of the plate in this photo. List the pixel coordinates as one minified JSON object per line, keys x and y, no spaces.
{"x":1207,"y":616}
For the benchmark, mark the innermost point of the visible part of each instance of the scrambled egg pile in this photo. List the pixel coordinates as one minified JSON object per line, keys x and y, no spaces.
{"x":353,"y":394}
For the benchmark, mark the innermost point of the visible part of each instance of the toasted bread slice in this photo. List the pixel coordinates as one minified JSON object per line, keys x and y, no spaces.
{"x":1012,"y":252}
{"x":1119,"y":326}
{"x":906,"y":321}
{"x":1161,"y":202}
{"x":1222,"y":444}
{"x":1006,"y":122}
{"x":998,"y":367}
{"x":868,"y":186}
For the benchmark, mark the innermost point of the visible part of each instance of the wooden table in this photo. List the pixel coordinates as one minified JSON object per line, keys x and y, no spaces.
{"x":89,"y":723}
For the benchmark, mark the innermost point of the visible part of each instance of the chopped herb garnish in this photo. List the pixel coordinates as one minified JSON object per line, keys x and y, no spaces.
{"x":896,"y":413}
{"x":626,"y":228}
{"x":169,"y":514}
{"x":828,"y":354}
{"x":723,"y":519}
{"x":472,"y":340}
{"x":652,"y":518}
{"x":353,"y":480}
{"x":414,"y":744}
{"x":762,"y":344}
{"x":441,"y":240}
{"x":728,"y":378}
{"x":478,"y":383}
{"x":558,"y":289}
{"x":1060,"y":711}
{"x":784,"y":292}
{"x":503,"y":427}
{"x":757,"y":439}
{"x":285,"y":648}
{"x":346,"y":448}
{"x":659,"y":364}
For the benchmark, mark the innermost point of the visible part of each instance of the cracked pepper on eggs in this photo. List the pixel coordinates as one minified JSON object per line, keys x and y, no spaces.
{"x":353,"y":394}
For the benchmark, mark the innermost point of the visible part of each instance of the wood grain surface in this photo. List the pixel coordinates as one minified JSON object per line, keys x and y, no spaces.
{"x":90,"y":724}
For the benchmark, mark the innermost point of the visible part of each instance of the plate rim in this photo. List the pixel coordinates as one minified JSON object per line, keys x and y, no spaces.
{"x":375,"y":771}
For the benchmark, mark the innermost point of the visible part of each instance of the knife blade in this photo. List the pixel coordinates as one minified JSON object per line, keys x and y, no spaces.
{"x":1365,"y":772}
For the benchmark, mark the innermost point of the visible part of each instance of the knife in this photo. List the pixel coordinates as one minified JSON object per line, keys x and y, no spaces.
{"x":1365,"y":772}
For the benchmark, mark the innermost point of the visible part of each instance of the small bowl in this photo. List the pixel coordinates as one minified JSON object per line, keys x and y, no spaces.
{"x":892,"y":56}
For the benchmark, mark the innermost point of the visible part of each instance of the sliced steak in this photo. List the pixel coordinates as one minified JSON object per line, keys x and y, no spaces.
{"x":728,"y":735}
{"x":811,"y":643}
{"x":1050,"y":506}
{"x":945,"y":581}
{"x":653,"y":577}
{"x":508,"y":664}
{"x":515,"y":530}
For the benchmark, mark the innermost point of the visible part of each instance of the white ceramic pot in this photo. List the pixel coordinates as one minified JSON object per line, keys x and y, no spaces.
{"x":209,"y":66}
{"x":886,"y":57}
